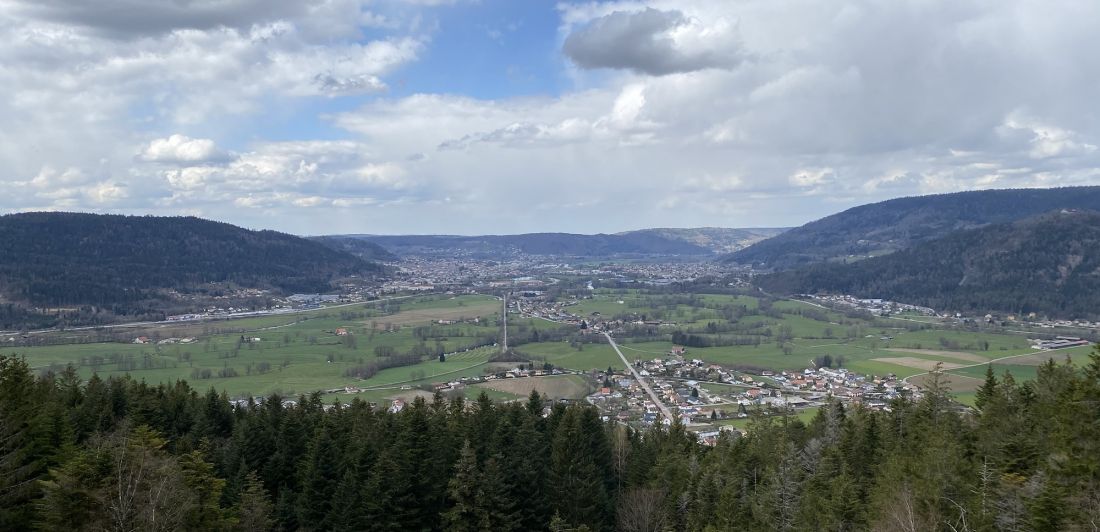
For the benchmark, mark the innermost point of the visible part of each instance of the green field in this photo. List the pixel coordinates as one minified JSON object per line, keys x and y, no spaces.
{"x":867,"y":345}
{"x":293,"y":354}
{"x":302,"y":353}
{"x":805,"y":416}
{"x":561,"y":354}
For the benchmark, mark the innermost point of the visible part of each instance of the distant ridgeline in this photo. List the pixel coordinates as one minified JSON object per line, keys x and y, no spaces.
{"x":1048,"y":264}
{"x":667,"y":242}
{"x":889,"y":226}
{"x":129,"y":265}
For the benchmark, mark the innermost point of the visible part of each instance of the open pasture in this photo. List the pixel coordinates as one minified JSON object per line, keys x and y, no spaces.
{"x":291,"y":355}
{"x":555,"y":387}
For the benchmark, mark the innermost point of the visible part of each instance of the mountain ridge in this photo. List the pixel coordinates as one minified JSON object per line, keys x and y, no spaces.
{"x":661,"y":241}
{"x":1048,"y":264}
{"x":136,"y":265}
{"x":888,"y":226}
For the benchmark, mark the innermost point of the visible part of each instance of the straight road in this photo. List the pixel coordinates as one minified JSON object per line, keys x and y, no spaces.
{"x":994,"y":361}
{"x":645,"y":385}
{"x":504,"y":319}
{"x":257,"y":314}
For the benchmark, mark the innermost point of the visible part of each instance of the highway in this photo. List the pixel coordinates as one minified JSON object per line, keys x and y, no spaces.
{"x":645,"y":385}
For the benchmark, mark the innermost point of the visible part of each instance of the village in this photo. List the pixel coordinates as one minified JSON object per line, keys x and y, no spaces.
{"x":702,"y":396}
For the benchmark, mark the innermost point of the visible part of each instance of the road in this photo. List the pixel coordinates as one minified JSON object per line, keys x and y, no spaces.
{"x":257,"y":314}
{"x":994,"y":361}
{"x":948,"y":371}
{"x":504,"y":320}
{"x":645,"y":385}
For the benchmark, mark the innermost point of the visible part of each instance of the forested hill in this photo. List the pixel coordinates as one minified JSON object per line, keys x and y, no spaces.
{"x":119,"y":454}
{"x":716,"y":239}
{"x":561,"y":244}
{"x":1049,"y":264}
{"x":359,"y":247}
{"x":59,"y":259}
{"x":888,"y":226}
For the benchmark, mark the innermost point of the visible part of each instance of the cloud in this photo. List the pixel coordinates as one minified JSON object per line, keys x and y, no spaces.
{"x":812,"y":177}
{"x":127,"y":18}
{"x":1044,"y":140}
{"x":182,"y":149}
{"x":657,"y":112}
{"x":652,"y":41}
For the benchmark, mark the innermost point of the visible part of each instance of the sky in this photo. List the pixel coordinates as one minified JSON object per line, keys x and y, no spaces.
{"x":509,"y":116}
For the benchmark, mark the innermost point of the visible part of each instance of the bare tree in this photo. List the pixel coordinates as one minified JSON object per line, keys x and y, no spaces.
{"x":620,"y":450}
{"x":640,"y":510}
{"x":902,"y":515}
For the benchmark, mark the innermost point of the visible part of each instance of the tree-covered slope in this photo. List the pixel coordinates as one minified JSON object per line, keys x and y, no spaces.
{"x":57,"y":259}
{"x":359,"y":247}
{"x":1024,"y":459}
{"x":1049,"y":264}
{"x":888,"y":226}
{"x":538,"y":244}
{"x":716,"y":239}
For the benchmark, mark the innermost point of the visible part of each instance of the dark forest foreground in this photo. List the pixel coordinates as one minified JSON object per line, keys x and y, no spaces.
{"x":118,"y":454}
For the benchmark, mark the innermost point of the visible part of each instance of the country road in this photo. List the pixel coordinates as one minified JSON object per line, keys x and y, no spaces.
{"x":645,"y":385}
{"x":257,"y":314}
{"x":652,"y":395}
{"x":993,"y":361}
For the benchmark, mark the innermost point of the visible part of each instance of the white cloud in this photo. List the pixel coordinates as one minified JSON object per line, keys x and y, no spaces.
{"x":654,"y":42}
{"x":812,"y":177}
{"x":182,"y":149}
{"x":668,"y":112}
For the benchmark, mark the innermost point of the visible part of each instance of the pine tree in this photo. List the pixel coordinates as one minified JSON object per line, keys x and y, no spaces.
{"x":987,"y":390}
{"x":466,"y":495}
{"x":347,"y":509}
{"x":385,"y":492}
{"x":22,"y":454}
{"x":254,"y":507}
{"x":318,"y":481}
{"x":497,"y":499}
{"x":580,"y":469}
{"x":206,"y":487}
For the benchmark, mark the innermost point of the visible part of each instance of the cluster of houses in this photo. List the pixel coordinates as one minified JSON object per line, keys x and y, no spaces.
{"x":1059,"y":342}
{"x":877,"y":307}
{"x":166,"y":341}
{"x":679,"y":383}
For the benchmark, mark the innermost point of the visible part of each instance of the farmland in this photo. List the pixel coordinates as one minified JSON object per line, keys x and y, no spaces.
{"x":555,"y":387}
{"x":298,"y":354}
{"x":358,"y":346}
{"x":750,"y":333}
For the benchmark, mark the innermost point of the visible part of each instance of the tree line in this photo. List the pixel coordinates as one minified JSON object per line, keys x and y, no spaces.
{"x":121,"y":454}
